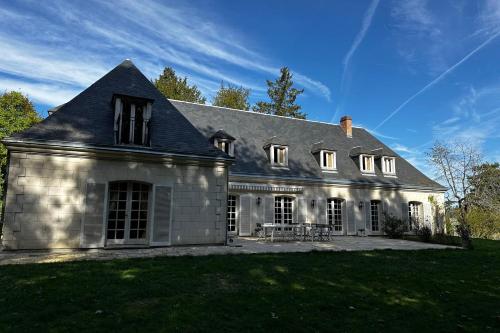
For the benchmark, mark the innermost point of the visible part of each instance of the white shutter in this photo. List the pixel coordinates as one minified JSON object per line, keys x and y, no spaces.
{"x":351,"y":226}
{"x":302,"y":210}
{"x":368,"y":217}
{"x":94,"y":216}
{"x":322,"y":218}
{"x":269,"y":209}
{"x":162,"y":215}
{"x":245,"y":229}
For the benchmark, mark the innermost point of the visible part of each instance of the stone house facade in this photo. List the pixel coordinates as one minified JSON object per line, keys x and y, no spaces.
{"x":120,"y":165}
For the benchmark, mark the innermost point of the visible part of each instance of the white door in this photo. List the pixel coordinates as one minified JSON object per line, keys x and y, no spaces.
{"x":128,"y":208}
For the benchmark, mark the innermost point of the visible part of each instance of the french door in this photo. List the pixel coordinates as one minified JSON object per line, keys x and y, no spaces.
{"x":128,"y":207}
{"x":334,"y":214}
{"x":232,"y":215}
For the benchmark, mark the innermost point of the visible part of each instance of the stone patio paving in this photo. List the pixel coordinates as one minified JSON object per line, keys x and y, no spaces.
{"x":240,"y":245}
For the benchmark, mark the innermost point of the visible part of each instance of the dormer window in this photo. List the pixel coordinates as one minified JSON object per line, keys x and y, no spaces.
{"x":225,"y":145}
{"x":278,"y":155}
{"x":132,"y":121}
{"x":328,"y":160}
{"x":223,"y":141}
{"x":366,"y":163}
{"x":389,"y":165}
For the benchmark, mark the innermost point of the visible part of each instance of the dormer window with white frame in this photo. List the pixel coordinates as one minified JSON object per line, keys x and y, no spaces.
{"x":226,"y":146}
{"x":278,"y":155}
{"x":366,"y":163}
{"x":328,"y":160}
{"x":389,"y":165}
{"x":132,"y":120}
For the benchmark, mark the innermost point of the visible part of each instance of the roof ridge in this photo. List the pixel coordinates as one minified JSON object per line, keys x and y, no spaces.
{"x":258,"y":113}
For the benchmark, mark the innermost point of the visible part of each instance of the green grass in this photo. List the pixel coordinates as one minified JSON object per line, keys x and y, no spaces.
{"x":386,"y":291}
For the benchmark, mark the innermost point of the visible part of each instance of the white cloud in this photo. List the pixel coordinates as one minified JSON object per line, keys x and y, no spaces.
{"x":75,"y":47}
{"x":50,"y":94}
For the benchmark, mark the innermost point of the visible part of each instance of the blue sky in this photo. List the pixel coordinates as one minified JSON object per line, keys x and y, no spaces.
{"x":411,"y":72}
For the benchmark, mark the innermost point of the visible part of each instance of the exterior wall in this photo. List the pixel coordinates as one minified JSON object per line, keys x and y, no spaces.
{"x":50,"y":200}
{"x":354,"y":218}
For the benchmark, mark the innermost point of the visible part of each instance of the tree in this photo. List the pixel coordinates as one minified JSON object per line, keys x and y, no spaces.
{"x":283,"y":96}
{"x":232,"y":97}
{"x":16,"y":114}
{"x":456,"y":164}
{"x":485,"y":193}
{"x":175,"y":87}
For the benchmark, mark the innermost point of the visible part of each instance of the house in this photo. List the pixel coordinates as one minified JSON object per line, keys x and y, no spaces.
{"x":120,"y":165}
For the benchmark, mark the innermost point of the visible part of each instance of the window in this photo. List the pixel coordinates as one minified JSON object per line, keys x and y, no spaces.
{"x":366,"y":163}
{"x":132,"y":117}
{"x":413,"y":215}
{"x":334,"y":213}
{"x":231,"y":213}
{"x":328,"y":160}
{"x":388,"y":165}
{"x":225,"y":145}
{"x":375,"y":214}
{"x":283,"y":210}
{"x":279,"y":155}
{"x":127,"y":211}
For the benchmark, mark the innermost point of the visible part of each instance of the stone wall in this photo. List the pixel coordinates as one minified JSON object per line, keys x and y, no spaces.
{"x":355,"y":218}
{"x":50,"y":198}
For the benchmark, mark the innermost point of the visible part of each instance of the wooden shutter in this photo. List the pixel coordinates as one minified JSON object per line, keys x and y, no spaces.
{"x":368,"y":216}
{"x":269,"y":209}
{"x":245,"y":229}
{"x":162,"y":215}
{"x":94,"y":216}
{"x":404,"y":211}
{"x":302,"y":209}
{"x":322,"y":219}
{"x":351,"y":226}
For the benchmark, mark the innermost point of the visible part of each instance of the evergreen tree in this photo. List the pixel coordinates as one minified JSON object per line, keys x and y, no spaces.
{"x":175,"y":87}
{"x":232,"y":97}
{"x":16,"y":114}
{"x":283,"y":96}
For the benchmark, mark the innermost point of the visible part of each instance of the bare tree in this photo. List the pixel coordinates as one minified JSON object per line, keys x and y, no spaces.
{"x":456,"y":164}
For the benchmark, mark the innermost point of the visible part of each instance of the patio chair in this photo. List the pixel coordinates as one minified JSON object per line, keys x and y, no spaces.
{"x":259,"y":231}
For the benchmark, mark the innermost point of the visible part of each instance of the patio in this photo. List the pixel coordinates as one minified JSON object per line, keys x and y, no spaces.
{"x":241,"y":245}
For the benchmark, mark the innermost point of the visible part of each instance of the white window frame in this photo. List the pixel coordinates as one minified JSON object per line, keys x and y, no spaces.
{"x":392,"y":162}
{"x":272,"y":157}
{"x":322,"y":156}
{"x":146,"y":115}
{"x":230,"y":145}
{"x":284,"y":215}
{"x":372,"y":163}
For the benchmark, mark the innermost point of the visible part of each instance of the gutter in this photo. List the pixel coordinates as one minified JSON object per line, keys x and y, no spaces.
{"x":84,"y":148}
{"x":344,"y":182}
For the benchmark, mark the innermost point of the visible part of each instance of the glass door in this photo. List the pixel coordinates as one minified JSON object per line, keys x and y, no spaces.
{"x":127,"y":213}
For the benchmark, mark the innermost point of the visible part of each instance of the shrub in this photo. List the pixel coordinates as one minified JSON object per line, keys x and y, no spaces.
{"x":424,"y":234}
{"x":392,"y":226}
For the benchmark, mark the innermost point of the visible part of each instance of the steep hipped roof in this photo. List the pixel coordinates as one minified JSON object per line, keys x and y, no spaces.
{"x":88,"y":118}
{"x":252,"y":131}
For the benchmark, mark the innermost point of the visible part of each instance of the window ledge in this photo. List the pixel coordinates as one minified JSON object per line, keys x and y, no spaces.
{"x":329,"y":170}
{"x":283,"y":167}
{"x":390,"y":175}
{"x":368,"y":174}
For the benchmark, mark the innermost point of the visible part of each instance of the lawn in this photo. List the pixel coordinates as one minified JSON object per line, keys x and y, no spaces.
{"x":386,"y":291}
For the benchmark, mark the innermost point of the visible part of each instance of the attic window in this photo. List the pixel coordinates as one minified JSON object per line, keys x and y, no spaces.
{"x":328,"y":160}
{"x":226,"y":146}
{"x":278,"y":155}
{"x":132,"y":121}
{"x":389,"y":165}
{"x":366,"y":163}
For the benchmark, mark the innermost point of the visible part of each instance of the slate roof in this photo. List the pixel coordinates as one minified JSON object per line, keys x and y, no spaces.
{"x":253,"y":131}
{"x":88,"y":118}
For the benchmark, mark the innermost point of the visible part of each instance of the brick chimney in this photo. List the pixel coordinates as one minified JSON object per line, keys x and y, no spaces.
{"x":346,"y":124}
